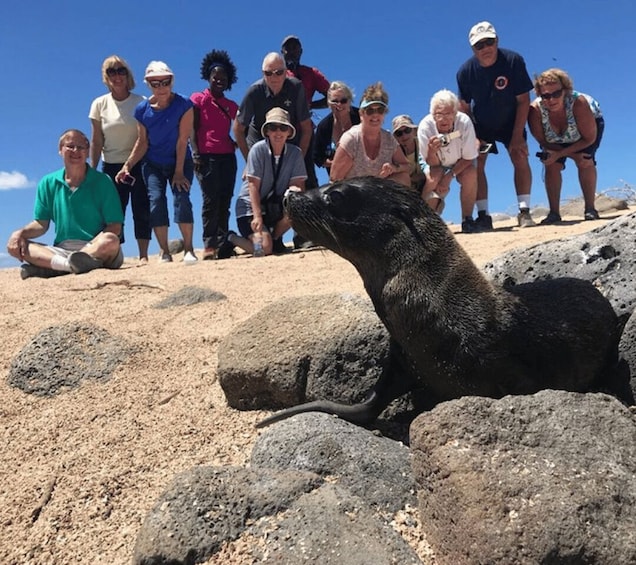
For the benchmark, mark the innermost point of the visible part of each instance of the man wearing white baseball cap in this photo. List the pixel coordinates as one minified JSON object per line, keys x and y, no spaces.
{"x":494,"y":88}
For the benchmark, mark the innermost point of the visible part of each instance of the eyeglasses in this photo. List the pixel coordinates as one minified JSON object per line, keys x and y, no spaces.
{"x":121,"y":71}
{"x":369,"y":111}
{"x":550,"y":95}
{"x":277,"y":72}
{"x":277,"y":127}
{"x":73,"y":147}
{"x":341,"y":101}
{"x":158,"y":83}
{"x":484,"y":43}
{"x":401,"y":132}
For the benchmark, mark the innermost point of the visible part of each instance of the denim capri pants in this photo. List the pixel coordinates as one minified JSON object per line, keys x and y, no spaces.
{"x":157,"y":177}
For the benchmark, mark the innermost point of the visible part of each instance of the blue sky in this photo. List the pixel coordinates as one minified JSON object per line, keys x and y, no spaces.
{"x":53,"y":53}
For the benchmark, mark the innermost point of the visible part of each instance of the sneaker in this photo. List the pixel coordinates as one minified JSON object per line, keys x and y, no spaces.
{"x":484,"y":221}
{"x":524,"y":219}
{"x":165,"y":258}
{"x":551,"y":218}
{"x":82,"y":262}
{"x":469,"y":225}
{"x":27,"y":271}
{"x":279,"y":248}
{"x":591,"y":215}
{"x":190,"y":258}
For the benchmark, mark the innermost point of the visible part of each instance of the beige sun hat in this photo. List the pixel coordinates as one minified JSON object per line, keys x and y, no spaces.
{"x":402,"y":121}
{"x":278,"y":116}
{"x":157,"y":69}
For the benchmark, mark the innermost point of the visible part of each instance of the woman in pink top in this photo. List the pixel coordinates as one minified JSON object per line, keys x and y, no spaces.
{"x":367,"y":149}
{"x":213,"y":151}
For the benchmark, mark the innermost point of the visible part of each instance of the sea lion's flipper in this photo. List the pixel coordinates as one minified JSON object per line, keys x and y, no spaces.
{"x":394,"y":382}
{"x":361,"y":413}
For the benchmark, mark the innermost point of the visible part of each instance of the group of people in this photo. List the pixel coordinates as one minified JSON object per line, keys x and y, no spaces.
{"x":146,"y":144}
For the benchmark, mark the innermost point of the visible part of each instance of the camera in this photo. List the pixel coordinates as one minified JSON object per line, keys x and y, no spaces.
{"x":446,"y":138}
{"x":129,"y":179}
{"x":543,"y":155}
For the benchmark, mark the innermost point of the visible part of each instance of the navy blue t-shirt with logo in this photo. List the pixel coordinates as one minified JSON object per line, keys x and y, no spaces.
{"x":492,"y":91}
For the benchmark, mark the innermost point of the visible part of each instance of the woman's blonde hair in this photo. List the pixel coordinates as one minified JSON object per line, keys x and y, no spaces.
{"x":339,"y":85}
{"x":553,"y":76}
{"x":115,"y":61}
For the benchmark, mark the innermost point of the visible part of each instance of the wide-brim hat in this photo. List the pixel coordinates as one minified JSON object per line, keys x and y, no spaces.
{"x":157,"y":69}
{"x":278,"y":116}
{"x":481,"y":30}
{"x":402,"y":121}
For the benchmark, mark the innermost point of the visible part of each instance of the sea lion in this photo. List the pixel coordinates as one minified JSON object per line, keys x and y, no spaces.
{"x":453,"y":332}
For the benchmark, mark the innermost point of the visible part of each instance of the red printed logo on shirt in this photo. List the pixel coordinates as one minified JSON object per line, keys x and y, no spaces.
{"x":501,"y":82}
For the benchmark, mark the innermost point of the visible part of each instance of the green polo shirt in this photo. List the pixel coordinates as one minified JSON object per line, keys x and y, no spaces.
{"x":79,"y":214}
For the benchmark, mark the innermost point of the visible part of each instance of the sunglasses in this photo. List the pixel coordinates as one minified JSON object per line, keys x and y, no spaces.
{"x":484,"y":43}
{"x":277,"y":72}
{"x":73,"y":147}
{"x":158,"y":83}
{"x":121,"y":71}
{"x":341,"y":101}
{"x":374,"y":110}
{"x":550,"y":95}
{"x":277,"y":127}
{"x":401,"y":132}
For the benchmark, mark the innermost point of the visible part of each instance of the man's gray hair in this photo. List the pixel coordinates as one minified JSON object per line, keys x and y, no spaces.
{"x":271,"y":57}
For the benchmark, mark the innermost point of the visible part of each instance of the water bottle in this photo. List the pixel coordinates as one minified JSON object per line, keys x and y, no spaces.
{"x":257,"y":241}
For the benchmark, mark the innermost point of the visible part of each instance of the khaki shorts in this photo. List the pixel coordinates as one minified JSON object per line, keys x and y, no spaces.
{"x":68,"y":246}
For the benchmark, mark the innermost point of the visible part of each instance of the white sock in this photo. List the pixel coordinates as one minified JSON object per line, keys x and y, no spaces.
{"x":523,"y":200}
{"x":59,"y":263}
{"x":482,"y":205}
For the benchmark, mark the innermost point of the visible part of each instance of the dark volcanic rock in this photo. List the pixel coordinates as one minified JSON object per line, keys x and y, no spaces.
{"x":330,"y":526}
{"x":206,"y":506}
{"x":61,"y":357}
{"x":377,"y":469}
{"x":189,"y":295}
{"x":605,"y":256}
{"x":330,"y":347}
{"x":547,"y":478}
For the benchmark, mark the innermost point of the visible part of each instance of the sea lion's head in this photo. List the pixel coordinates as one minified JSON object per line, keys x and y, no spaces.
{"x":366,"y":219}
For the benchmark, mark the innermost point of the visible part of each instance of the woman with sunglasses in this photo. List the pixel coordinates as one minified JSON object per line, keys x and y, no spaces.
{"x":330,"y":129}
{"x":164,"y":125}
{"x":273,"y":166}
{"x":367,"y":149}
{"x":566,"y":123}
{"x":113,"y":135}
{"x":405,"y":132}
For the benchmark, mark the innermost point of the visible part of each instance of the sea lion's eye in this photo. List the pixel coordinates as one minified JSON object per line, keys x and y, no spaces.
{"x":339,"y":205}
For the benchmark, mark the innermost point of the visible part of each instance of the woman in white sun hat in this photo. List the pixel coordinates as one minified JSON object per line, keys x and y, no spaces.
{"x":165,"y":123}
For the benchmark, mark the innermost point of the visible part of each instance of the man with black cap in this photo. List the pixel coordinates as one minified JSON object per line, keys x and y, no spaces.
{"x":313,"y":81}
{"x":494,"y":90}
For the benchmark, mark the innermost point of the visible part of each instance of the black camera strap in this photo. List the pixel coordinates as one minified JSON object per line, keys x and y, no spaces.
{"x":276,"y":167}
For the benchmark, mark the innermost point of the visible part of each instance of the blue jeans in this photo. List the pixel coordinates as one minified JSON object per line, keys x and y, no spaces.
{"x":157,"y":177}
{"x":216,"y":175}
{"x":138,"y":197}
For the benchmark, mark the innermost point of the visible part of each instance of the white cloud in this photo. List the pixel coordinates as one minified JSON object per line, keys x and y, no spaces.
{"x":13,"y":180}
